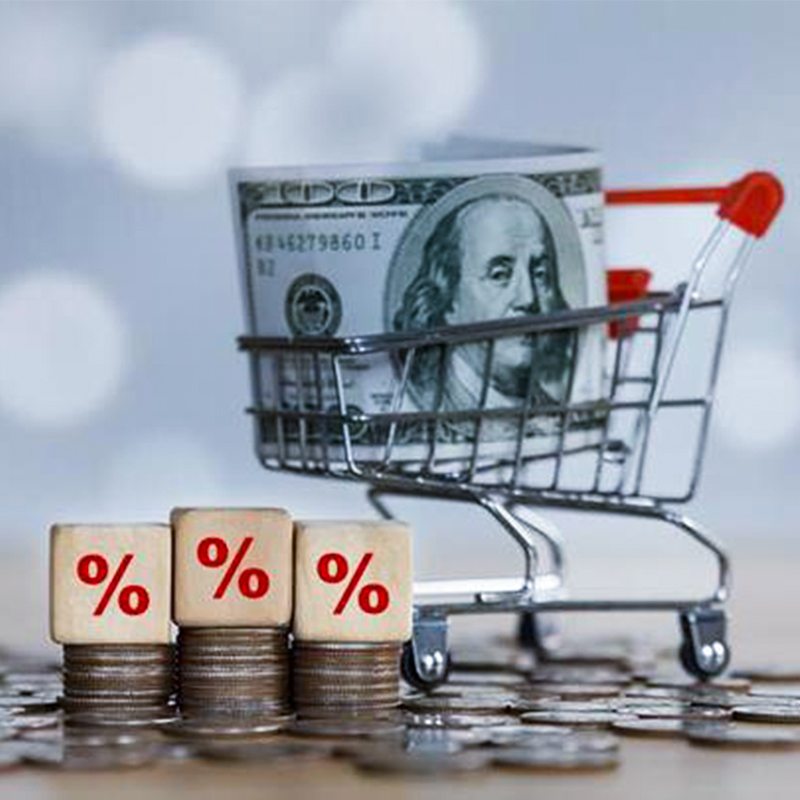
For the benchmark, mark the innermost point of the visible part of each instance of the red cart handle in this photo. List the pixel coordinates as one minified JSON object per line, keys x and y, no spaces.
{"x":751,"y":203}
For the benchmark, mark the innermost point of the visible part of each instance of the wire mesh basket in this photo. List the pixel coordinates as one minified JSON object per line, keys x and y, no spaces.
{"x":445,"y":435}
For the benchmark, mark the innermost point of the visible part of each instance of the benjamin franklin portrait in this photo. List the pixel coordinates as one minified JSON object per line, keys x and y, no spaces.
{"x":494,"y":251}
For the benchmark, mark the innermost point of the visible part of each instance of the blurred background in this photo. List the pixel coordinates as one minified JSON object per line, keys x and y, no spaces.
{"x":121,"y":390}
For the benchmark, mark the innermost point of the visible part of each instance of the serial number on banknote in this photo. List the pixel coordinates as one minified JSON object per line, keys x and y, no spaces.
{"x":318,"y":242}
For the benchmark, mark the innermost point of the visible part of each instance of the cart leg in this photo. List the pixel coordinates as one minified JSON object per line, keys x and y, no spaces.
{"x":538,"y":632}
{"x":426,"y":661}
{"x":704,"y":650}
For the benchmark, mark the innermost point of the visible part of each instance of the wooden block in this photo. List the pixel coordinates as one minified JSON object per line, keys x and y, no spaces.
{"x":233,"y":567}
{"x":353,"y":581}
{"x":110,"y":584}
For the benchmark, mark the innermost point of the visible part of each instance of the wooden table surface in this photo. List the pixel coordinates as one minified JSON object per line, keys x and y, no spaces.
{"x":765,"y":613}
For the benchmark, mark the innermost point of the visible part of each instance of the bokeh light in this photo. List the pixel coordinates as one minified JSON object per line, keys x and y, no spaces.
{"x":388,"y":83}
{"x":62,"y":349}
{"x":158,"y":471}
{"x":168,"y":110}
{"x":759,"y":398}
{"x":427,"y":59}
{"x":309,"y":116}
{"x":48,"y":61}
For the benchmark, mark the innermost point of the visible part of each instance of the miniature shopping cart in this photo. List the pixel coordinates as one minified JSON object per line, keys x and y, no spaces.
{"x":602,"y":454}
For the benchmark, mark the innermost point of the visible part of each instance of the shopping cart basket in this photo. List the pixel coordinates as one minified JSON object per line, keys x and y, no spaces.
{"x":595,"y":455}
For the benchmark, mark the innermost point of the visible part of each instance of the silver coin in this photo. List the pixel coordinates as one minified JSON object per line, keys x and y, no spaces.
{"x":107,"y":737}
{"x":521,"y":734}
{"x":262,"y":752}
{"x":657,"y":693}
{"x":471,"y":704}
{"x":575,"y":676}
{"x":91,"y":759}
{"x":732,"y":736}
{"x":580,"y":691}
{"x":449,"y":740}
{"x":684,"y":682}
{"x":571,"y":718}
{"x":421,"y":765}
{"x":480,"y":680}
{"x":660,"y":728}
{"x":730,"y":700}
{"x":598,"y":704}
{"x":29,"y":722}
{"x":115,"y":720}
{"x":762,"y":712}
{"x":32,"y":704}
{"x":455,"y":721}
{"x":43,"y":735}
{"x":204,"y":728}
{"x":553,"y":758}
{"x":677,"y":711}
{"x":334,"y":728}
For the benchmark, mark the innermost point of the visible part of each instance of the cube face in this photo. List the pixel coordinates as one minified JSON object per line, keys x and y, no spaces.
{"x":110,"y":584}
{"x":233,"y":567}
{"x":353,"y":581}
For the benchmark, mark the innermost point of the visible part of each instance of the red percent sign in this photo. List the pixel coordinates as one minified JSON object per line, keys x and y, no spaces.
{"x":213,"y":552}
{"x":93,"y":570}
{"x":373,"y":598}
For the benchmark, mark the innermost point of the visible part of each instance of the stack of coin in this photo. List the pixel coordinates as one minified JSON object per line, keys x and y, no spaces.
{"x":233,"y":602}
{"x":352,"y":613}
{"x":335,"y":679}
{"x":109,"y":607}
{"x":115,"y":683}
{"x":234,"y":673}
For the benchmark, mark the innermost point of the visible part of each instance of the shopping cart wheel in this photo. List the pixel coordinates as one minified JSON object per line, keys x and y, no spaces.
{"x":537,"y":632}
{"x":415,"y":677}
{"x":425,"y":663}
{"x":704,"y":652}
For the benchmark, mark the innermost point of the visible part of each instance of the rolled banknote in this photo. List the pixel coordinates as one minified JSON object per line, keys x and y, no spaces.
{"x":474,"y":233}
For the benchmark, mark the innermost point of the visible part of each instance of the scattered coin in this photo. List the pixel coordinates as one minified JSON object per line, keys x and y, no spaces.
{"x":522,"y":735}
{"x":421,"y":765}
{"x":105,"y":737}
{"x":580,"y":691}
{"x":262,"y":752}
{"x":684,"y":682}
{"x":553,"y":758}
{"x":455,"y":721}
{"x":571,"y":718}
{"x":226,"y":727}
{"x":488,"y":704}
{"x":677,"y":711}
{"x":661,"y":728}
{"x":733,"y":736}
{"x":729,"y":700}
{"x":762,"y":712}
{"x":22,"y":703}
{"x":28,"y":722}
{"x":368,"y":728}
{"x":580,"y":675}
{"x":92,"y":759}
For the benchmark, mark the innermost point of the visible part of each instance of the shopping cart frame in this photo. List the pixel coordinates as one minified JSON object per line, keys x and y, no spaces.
{"x":314,"y":440}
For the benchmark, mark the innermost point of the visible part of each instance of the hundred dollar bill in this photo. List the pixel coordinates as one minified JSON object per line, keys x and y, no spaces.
{"x":354,"y":251}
